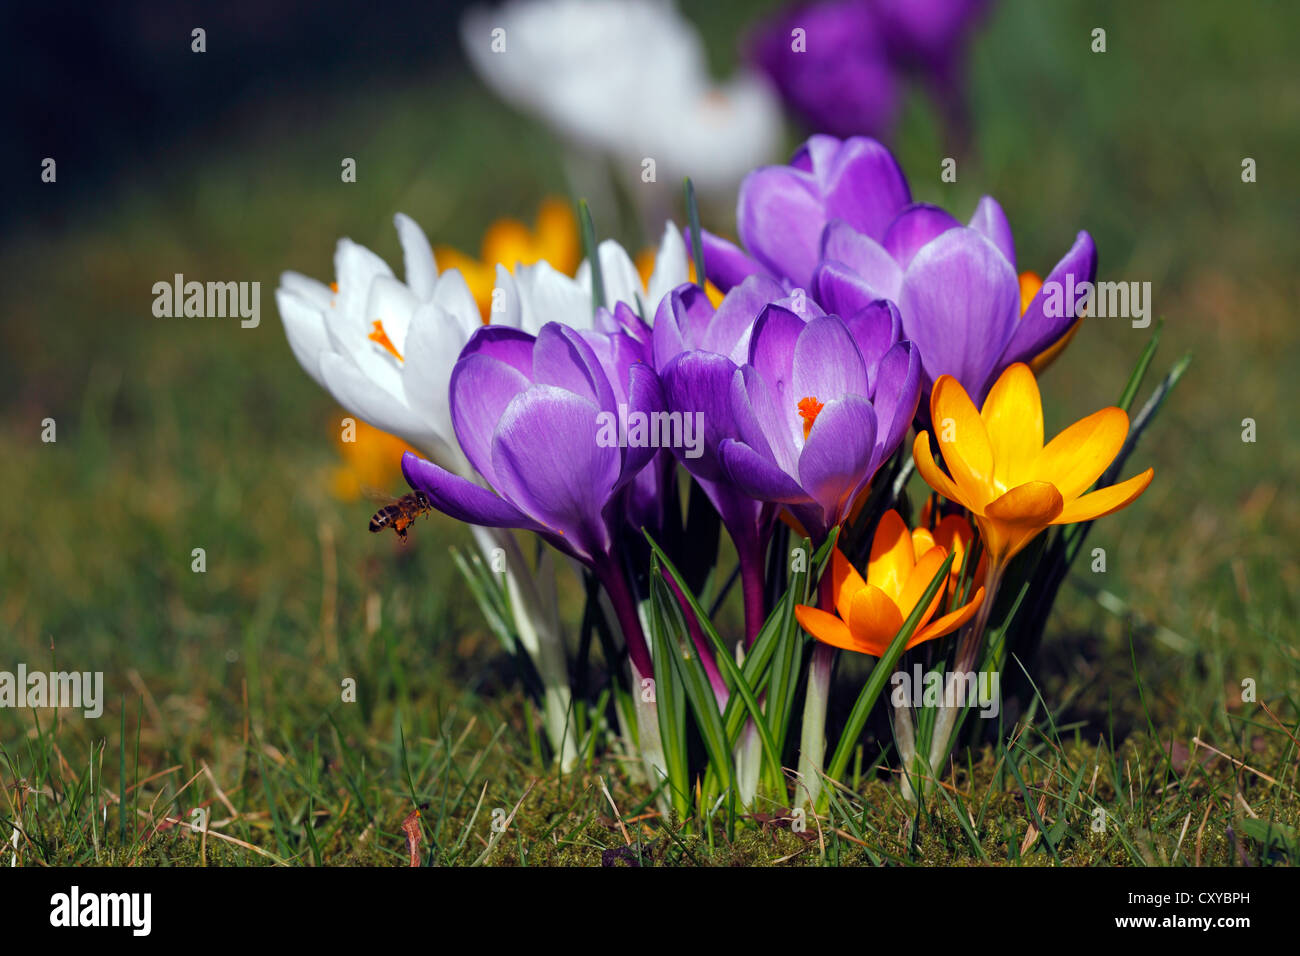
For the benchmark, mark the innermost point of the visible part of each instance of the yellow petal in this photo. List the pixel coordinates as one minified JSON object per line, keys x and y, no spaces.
{"x":1013,"y":417}
{"x":922,"y":541}
{"x":1105,"y":500}
{"x":1074,"y":459}
{"x":1020,"y":514}
{"x":963,"y":440}
{"x":825,"y":627}
{"x":1030,"y":283}
{"x":874,"y":621}
{"x":934,"y":475}
{"x":949,"y":622}
{"x":847,"y":582}
{"x":557,"y":235}
{"x":892,"y":556}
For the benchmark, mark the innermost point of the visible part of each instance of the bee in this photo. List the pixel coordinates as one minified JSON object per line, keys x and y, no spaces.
{"x":401,"y":514}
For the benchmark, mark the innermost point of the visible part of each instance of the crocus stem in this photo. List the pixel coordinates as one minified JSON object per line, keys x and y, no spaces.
{"x":643,"y":694}
{"x":905,"y":739}
{"x":812,"y":740}
{"x":751,"y":586}
{"x":967,"y":653}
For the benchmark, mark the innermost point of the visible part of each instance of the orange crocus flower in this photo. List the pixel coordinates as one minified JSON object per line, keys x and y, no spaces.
{"x":999,"y":469}
{"x":871,"y":612}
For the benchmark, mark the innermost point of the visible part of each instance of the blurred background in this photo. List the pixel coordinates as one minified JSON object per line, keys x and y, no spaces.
{"x":175,"y":434}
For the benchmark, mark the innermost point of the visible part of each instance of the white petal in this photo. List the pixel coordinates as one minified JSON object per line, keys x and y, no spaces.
{"x":316,"y":293}
{"x":670,"y":269}
{"x":453,"y":296}
{"x":377,"y":405}
{"x":506,"y":291}
{"x":421,"y":269}
{"x":433,"y":346}
{"x":355,"y":267}
{"x":622,"y":281}
{"x":548,"y":295}
{"x":391,"y":303}
{"x":304,"y":327}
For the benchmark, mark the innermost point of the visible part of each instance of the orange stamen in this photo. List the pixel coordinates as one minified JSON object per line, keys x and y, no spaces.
{"x":380,"y":336}
{"x":809,"y":409}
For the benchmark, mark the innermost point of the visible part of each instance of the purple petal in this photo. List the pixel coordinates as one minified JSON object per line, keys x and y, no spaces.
{"x":959,"y":304}
{"x":780,"y":219}
{"x":728,"y":332}
{"x":771,"y":353}
{"x":562,"y":357}
{"x":843,"y":291}
{"x":1037,"y":329}
{"x":875,"y":328}
{"x":992,"y":222}
{"x":697,"y":381}
{"x":827,"y":364}
{"x":680,"y":322}
{"x":774,"y":431}
{"x":549,"y":462}
{"x":462,"y":499}
{"x":864,"y":186}
{"x":504,"y":343}
{"x":757,"y":475}
{"x":837,"y":457}
{"x":914,"y":227}
{"x":864,"y":255}
{"x":481,"y":387}
{"x":645,"y":397}
{"x":897,"y":394}
{"x":724,"y":262}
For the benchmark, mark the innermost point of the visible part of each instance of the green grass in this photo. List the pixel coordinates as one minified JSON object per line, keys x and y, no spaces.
{"x":224,"y":687}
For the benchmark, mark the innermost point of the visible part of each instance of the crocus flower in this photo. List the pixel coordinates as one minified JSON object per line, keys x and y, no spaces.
{"x":819,"y":407}
{"x":508,"y":242}
{"x":871,"y":612}
{"x":1000,"y":470}
{"x":528,"y":412}
{"x":627,"y":79}
{"x":845,"y":72}
{"x":783,"y":210}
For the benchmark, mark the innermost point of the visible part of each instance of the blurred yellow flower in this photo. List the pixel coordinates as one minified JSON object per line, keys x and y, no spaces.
{"x":1000,"y":470}
{"x":509,"y":242}
{"x":373,"y":461}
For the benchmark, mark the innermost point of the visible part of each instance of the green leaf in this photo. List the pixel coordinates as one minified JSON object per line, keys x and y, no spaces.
{"x":670,"y":703}
{"x":693,"y":220}
{"x":589,"y":249}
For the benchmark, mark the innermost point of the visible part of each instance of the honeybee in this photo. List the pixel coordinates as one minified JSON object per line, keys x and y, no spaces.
{"x":401,"y":514}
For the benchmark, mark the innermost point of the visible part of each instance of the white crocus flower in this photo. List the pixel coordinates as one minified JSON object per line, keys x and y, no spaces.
{"x":627,"y":79}
{"x":385,"y":350}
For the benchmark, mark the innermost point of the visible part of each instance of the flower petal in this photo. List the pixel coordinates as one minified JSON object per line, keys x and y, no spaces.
{"x":863,"y":185}
{"x":1076,"y":457}
{"x":462,"y":499}
{"x":421,"y":270}
{"x":915,"y":226}
{"x":892,"y":555}
{"x":780,"y":217}
{"x":933,"y":475}
{"x":836,"y":460}
{"x":874,"y":620}
{"x":1105,"y":500}
{"x":992,"y":222}
{"x":1037,"y":330}
{"x":827,"y":628}
{"x":846,"y":582}
{"x":948,"y":622}
{"x":724,"y":262}
{"x":1013,"y":418}
{"x":758,"y":475}
{"x":963,"y":440}
{"x":481,"y":389}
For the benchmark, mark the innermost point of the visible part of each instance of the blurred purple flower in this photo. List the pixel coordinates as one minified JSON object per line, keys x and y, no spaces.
{"x":844,"y":72}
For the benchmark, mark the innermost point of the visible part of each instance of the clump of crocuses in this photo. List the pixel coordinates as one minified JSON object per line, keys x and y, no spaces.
{"x":627,"y":426}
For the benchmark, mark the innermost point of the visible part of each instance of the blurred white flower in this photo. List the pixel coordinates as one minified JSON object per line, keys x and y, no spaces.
{"x":628,"y":79}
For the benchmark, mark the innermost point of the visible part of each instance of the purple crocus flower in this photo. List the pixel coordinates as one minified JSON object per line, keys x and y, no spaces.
{"x":697,"y":350}
{"x":841,"y":65}
{"x":819,"y":407}
{"x":956,"y":289}
{"x":529,"y":413}
{"x":783,"y":210}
